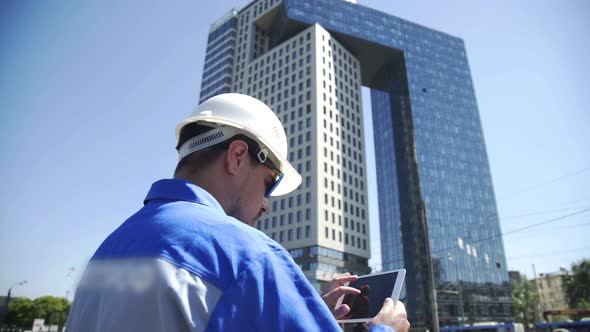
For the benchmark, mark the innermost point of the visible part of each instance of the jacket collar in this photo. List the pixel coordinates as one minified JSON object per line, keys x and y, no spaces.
{"x":181,"y":190}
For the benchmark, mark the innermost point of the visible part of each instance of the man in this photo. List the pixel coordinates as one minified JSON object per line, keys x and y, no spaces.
{"x":189,"y":260}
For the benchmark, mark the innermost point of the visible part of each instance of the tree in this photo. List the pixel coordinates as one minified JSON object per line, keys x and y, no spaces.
{"x":22,"y":311}
{"x":525,"y":301}
{"x":577,"y":285}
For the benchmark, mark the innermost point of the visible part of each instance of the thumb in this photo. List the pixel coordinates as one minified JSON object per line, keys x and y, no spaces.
{"x":341,"y":311}
{"x":388,"y":302}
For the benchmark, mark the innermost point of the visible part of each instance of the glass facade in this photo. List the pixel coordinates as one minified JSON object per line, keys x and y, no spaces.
{"x":437,"y":208}
{"x":219,"y":58}
{"x":431,"y":82}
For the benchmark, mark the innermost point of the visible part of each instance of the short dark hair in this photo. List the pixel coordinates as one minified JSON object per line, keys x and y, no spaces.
{"x":198,"y":160}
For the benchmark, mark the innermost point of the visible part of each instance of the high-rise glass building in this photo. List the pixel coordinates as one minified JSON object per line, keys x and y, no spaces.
{"x":307,"y":59}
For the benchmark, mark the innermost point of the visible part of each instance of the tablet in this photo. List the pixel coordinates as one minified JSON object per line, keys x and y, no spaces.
{"x":375,"y":288}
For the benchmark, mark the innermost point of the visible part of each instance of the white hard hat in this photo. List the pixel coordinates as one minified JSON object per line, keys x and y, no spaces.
{"x":248,"y":116}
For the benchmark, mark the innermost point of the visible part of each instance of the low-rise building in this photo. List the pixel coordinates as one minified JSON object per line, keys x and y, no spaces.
{"x":551,"y":288}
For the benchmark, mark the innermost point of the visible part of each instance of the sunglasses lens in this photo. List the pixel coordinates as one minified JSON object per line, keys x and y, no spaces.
{"x":275,"y":184}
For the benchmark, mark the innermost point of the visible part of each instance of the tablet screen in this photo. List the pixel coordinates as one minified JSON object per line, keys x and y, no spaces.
{"x":374,"y":290}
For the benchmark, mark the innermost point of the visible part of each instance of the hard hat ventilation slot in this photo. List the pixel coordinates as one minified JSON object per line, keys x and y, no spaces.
{"x":205,"y":140}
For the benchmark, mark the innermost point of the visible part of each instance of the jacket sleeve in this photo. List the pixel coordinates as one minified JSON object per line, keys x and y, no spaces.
{"x":272,"y":294}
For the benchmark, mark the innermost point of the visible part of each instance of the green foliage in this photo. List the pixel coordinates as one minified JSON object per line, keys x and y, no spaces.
{"x":583,"y":304}
{"x":577,"y":285}
{"x":525,"y":301}
{"x":22,"y":311}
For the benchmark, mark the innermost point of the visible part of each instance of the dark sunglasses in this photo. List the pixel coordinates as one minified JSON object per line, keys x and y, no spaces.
{"x":260,"y":155}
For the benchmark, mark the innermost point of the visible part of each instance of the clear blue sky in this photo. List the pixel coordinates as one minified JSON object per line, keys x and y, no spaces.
{"x":90,"y":93}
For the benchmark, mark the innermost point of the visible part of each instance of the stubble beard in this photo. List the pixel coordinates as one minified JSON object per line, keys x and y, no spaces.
{"x":235,"y":211}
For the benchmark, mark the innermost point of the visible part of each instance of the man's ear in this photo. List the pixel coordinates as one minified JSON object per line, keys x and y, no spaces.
{"x":236,"y":157}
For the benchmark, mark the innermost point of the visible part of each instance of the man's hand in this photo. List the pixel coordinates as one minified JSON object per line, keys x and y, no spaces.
{"x":334,"y":290}
{"x":392,"y":315}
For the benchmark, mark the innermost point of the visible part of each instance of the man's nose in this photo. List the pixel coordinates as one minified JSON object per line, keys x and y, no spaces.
{"x":265,"y":206}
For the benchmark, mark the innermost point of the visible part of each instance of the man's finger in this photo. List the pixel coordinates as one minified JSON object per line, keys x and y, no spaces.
{"x":347,"y":290}
{"x":347,"y":277}
{"x":337,"y":281}
{"x":341,"y":311}
{"x":337,"y":292}
{"x":388,"y":305}
{"x":399,"y":305}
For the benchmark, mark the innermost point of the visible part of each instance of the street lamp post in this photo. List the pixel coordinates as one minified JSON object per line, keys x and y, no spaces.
{"x":5,"y":307}
{"x":71,"y":271}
